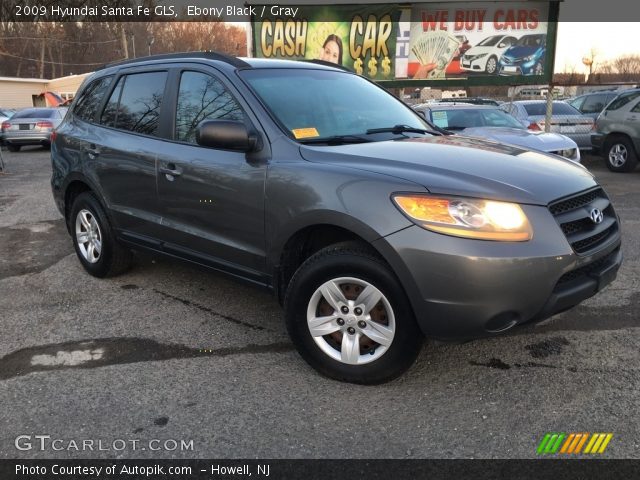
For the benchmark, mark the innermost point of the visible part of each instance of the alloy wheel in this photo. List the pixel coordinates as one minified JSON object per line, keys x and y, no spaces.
{"x":88,"y":236}
{"x":351,"y":320}
{"x":618,"y":155}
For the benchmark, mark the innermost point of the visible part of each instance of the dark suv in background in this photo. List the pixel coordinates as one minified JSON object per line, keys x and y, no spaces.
{"x":371,"y":227}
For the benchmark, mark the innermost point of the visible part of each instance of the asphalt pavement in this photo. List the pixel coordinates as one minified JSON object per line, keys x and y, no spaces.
{"x":177,"y":362}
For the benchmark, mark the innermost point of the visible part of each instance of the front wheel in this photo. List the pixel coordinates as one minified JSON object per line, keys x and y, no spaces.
{"x":13,"y":148}
{"x":349,"y":317}
{"x":492,"y":65}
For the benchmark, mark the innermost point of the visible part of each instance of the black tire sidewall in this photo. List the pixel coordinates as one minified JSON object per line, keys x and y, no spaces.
{"x":407,"y":339}
{"x":88,"y":201}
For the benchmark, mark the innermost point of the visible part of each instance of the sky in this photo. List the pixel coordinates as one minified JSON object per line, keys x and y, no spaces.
{"x":609,"y":39}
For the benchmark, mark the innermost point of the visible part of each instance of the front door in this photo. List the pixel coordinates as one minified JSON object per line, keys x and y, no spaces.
{"x":212,"y":200}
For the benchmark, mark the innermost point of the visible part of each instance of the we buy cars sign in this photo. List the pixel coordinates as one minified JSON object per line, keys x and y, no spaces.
{"x":458,"y":40}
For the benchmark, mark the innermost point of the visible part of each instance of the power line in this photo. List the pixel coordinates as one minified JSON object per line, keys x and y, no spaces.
{"x":37,"y":60}
{"x":58,"y":40}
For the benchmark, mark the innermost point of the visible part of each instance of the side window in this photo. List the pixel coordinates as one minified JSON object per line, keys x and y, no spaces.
{"x":636,"y":108}
{"x":593,"y":104}
{"x":577,"y":102}
{"x":135,"y":103}
{"x":622,"y":100}
{"x":202,"y":97}
{"x":89,"y":101}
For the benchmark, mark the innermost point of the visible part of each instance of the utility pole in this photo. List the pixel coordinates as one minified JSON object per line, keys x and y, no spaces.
{"x":123,"y":41}
{"x":42,"y":59}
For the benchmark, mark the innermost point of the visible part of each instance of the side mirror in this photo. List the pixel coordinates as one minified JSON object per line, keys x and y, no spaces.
{"x":502,"y":45}
{"x":225,"y":134}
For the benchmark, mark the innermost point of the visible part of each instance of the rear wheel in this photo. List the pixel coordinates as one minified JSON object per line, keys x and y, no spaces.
{"x":349,"y":318}
{"x":13,"y":148}
{"x":94,"y":240}
{"x":620,"y":155}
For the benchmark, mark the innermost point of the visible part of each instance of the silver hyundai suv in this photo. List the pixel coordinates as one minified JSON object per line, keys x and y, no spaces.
{"x":617,"y":134}
{"x":369,"y":224}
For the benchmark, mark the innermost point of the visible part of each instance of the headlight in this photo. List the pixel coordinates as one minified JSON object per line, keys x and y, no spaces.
{"x":569,"y":153}
{"x":529,"y":58}
{"x":467,"y":217}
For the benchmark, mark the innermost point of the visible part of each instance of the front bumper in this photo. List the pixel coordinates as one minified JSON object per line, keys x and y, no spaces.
{"x":461,"y":288}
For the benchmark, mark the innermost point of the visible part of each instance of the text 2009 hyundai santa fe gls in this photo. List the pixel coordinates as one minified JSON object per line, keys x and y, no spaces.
{"x":372,"y":228}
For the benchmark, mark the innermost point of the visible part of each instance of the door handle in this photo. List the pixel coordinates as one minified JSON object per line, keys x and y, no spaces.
{"x":93,"y":151}
{"x":171,"y":169}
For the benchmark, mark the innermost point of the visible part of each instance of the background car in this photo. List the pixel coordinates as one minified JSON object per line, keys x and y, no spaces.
{"x":564,"y":119}
{"x":31,"y":126}
{"x":470,"y":100}
{"x":592,"y":104}
{"x":484,"y":56}
{"x":617,"y":133}
{"x":525,"y":57}
{"x":494,"y":124}
{"x":454,"y":65}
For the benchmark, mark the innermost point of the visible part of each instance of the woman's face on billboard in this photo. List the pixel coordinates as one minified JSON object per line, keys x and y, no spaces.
{"x":330,"y":52}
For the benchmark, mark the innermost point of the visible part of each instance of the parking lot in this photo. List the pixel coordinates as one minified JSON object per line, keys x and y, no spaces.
{"x":170,"y":352}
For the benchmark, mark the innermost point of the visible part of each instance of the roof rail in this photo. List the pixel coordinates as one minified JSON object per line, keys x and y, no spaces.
{"x":209,"y":55}
{"x":329,"y":64}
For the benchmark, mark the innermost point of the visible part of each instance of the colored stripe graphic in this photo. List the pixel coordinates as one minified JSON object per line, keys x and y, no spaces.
{"x":572,"y":443}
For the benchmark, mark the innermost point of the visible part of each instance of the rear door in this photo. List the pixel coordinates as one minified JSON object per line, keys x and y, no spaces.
{"x":213,"y":202}
{"x":122,"y":154}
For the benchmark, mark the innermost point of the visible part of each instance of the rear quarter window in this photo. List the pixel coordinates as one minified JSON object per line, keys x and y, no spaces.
{"x":91,"y":98}
{"x":622,"y":100}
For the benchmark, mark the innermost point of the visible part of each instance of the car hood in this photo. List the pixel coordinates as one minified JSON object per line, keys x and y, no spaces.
{"x":520,"y":51}
{"x":457,"y":165}
{"x":547,"y":142}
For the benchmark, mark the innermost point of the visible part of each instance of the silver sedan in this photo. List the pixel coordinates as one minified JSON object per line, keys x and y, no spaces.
{"x":31,"y":126}
{"x":565,"y":119}
{"x":491,"y":123}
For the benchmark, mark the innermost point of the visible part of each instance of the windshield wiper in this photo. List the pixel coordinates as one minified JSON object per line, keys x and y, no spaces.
{"x":399,"y":129}
{"x":335,"y":140}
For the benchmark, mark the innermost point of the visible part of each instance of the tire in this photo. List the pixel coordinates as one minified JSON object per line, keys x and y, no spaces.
{"x":492,"y":65}
{"x":619,"y":154}
{"x":13,"y":148}
{"x":106,"y":257}
{"x":351,"y":268}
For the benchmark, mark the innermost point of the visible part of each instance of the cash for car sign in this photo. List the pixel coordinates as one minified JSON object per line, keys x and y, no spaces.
{"x":456,"y":40}
{"x":361,"y":38}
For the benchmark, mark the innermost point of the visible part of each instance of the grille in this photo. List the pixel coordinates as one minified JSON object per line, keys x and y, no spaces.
{"x":576,"y":202}
{"x":573,"y":216}
{"x":587,"y":270}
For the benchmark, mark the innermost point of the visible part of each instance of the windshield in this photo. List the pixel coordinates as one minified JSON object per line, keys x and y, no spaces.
{"x":531,"y":40}
{"x":315,"y":104}
{"x":558,"y":108}
{"x":490,"y":41}
{"x":461,"y":118}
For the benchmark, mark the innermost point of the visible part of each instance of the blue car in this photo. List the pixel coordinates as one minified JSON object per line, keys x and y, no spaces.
{"x":525,"y":57}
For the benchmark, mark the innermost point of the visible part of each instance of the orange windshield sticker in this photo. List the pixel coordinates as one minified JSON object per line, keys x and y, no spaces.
{"x":305,"y":132}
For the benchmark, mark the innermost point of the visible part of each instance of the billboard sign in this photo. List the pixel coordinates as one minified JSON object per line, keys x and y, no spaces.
{"x":492,"y":42}
{"x":361,"y":38}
